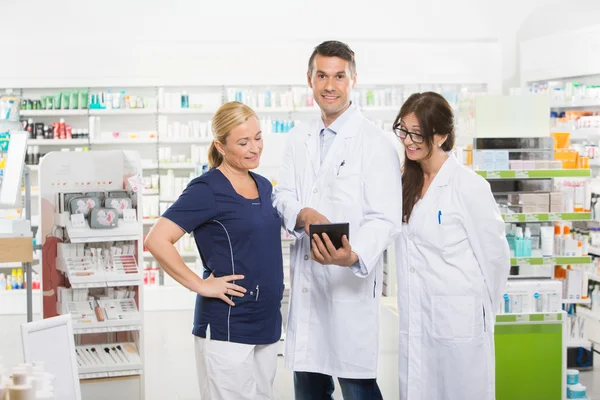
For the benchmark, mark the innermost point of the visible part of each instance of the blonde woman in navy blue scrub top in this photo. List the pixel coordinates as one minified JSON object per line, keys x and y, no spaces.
{"x":237,"y":321}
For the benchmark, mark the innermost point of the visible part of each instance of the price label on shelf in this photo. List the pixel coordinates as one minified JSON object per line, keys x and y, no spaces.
{"x":532,"y":218}
{"x":511,"y":218}
{"x":555,"y":217}
{"x":522,"y":174}
{"x":550,"y":317}
{"x":493,"y":174}
{"x":522,"y":318}
{"x":78,"y":221}
{"x":129,"y":215}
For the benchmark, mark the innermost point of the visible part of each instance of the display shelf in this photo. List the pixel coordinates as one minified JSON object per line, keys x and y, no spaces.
{"x":112,"y":359}
{"x":101,"y":327}
{"x":580,"y":301}
{"x":572,"y":343}
{"x":14,"y":301}
{"x":53,"y":113}
{"x":177,"y":166}
{"x":124,"y":232}
{"x":123,"y":111}
{"x":528,"y":318}
{"x":555,"y":260}
{"x":581,"y":133}
{"x":58,"y":142}
{"x":536,"y":174}
{"x":186,"y":111}
{"x":588,"y":313}
{"x":184,"y":254}
{"x":542,"y":217}
{"x":184,"y":141}
{"x":149,"y":167}
{"x":575,"y":104}
{"x":595,"y":251}
{"x":380,"y":108}
{"x":126,"y":141}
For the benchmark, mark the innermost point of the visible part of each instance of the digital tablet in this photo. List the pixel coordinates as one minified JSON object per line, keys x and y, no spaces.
{"x":334,"y":231}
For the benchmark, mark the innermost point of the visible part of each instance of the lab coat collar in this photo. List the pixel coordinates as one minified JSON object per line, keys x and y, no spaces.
{"x":346,"y":129}
{"x":445,"y":173}
{"x":339,"y":123}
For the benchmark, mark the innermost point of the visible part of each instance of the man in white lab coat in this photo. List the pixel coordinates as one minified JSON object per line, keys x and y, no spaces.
{"x":337,"y":168}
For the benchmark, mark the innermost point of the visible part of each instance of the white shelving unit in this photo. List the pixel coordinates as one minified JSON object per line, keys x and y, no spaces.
{"x":77,"y":172}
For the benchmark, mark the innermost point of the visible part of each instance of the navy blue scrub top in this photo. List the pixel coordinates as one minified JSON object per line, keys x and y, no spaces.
{"x":235,"y":235}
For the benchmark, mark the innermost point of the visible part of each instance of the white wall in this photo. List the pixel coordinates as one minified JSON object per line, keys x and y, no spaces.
{"x":116,"y":36}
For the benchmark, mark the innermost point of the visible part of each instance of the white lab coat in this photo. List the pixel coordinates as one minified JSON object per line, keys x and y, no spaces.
{"x":333,"y":324}
{"x":452,"y":270}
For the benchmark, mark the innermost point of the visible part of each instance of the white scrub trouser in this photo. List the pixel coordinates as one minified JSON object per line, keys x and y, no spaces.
{"x":234,"y":371}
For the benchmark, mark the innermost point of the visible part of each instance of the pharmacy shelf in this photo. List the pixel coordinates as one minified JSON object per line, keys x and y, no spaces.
{"x":587,"y":313}
{"x":380,"y":108}
{"x":581,"y":301}
{"x":124,"y":111}
{"x":53,"y":113}
{"x":150,"y":192}
{"x":595,"y":251}
{"x":34,"y":168}
{"x":575,"y":104}
{"x":542,"y":217}
{"x":124,"y":232}
{"x":536,"y":174}
{"x":169,"y":166}
{"x":184,"y":254}
{"x":572,"y":343}
{"x":101,"y":327}
{"x":186,"y":111}
{"x":582,"y":133}
{"x":556,"y":260}
{"x":178,"y":166}
{"x":14,"y":302}
{"x":117,"y":142}
{"x":184,"y":141}
{"x":58,"y":142}
{"x":278,"y":110}
{"x":528,"y":318}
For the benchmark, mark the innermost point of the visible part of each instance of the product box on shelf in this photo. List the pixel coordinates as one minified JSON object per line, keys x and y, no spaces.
{"x":99,"y":265}
{"x":535,"y":296}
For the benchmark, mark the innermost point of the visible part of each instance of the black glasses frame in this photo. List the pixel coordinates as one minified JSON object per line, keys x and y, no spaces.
{"x":402,"y":133}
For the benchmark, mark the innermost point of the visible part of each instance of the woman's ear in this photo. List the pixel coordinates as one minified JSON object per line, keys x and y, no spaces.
{"x":219,"y":147}
{"x":443,"y":139}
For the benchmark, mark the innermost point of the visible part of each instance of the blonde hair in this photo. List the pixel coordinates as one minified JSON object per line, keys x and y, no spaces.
{"x":227,"y":117}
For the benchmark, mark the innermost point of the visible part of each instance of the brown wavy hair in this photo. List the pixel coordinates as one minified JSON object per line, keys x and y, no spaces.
{"x":435,"y":117}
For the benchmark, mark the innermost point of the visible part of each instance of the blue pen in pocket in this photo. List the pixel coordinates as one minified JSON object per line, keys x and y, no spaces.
{"x":440,"y":217}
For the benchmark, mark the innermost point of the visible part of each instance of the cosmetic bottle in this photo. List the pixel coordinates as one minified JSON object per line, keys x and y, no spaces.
{"x":519,"y":242}
{"x":527,"y":243}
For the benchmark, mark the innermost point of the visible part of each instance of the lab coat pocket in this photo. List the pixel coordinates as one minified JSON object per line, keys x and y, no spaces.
{"x":453,"y":318}
{"x":346,"y":185}
{"x":342,"y":285}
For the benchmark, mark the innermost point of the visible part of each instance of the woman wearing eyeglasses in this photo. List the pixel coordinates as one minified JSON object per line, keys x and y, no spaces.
{"x":452,"y":259}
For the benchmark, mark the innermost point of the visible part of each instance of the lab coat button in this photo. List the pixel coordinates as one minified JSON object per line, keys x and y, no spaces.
{"x":412,"y":270}
{"x":315,"y":190}
{"x":304,"y":290}
{"x":305,"y":257}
